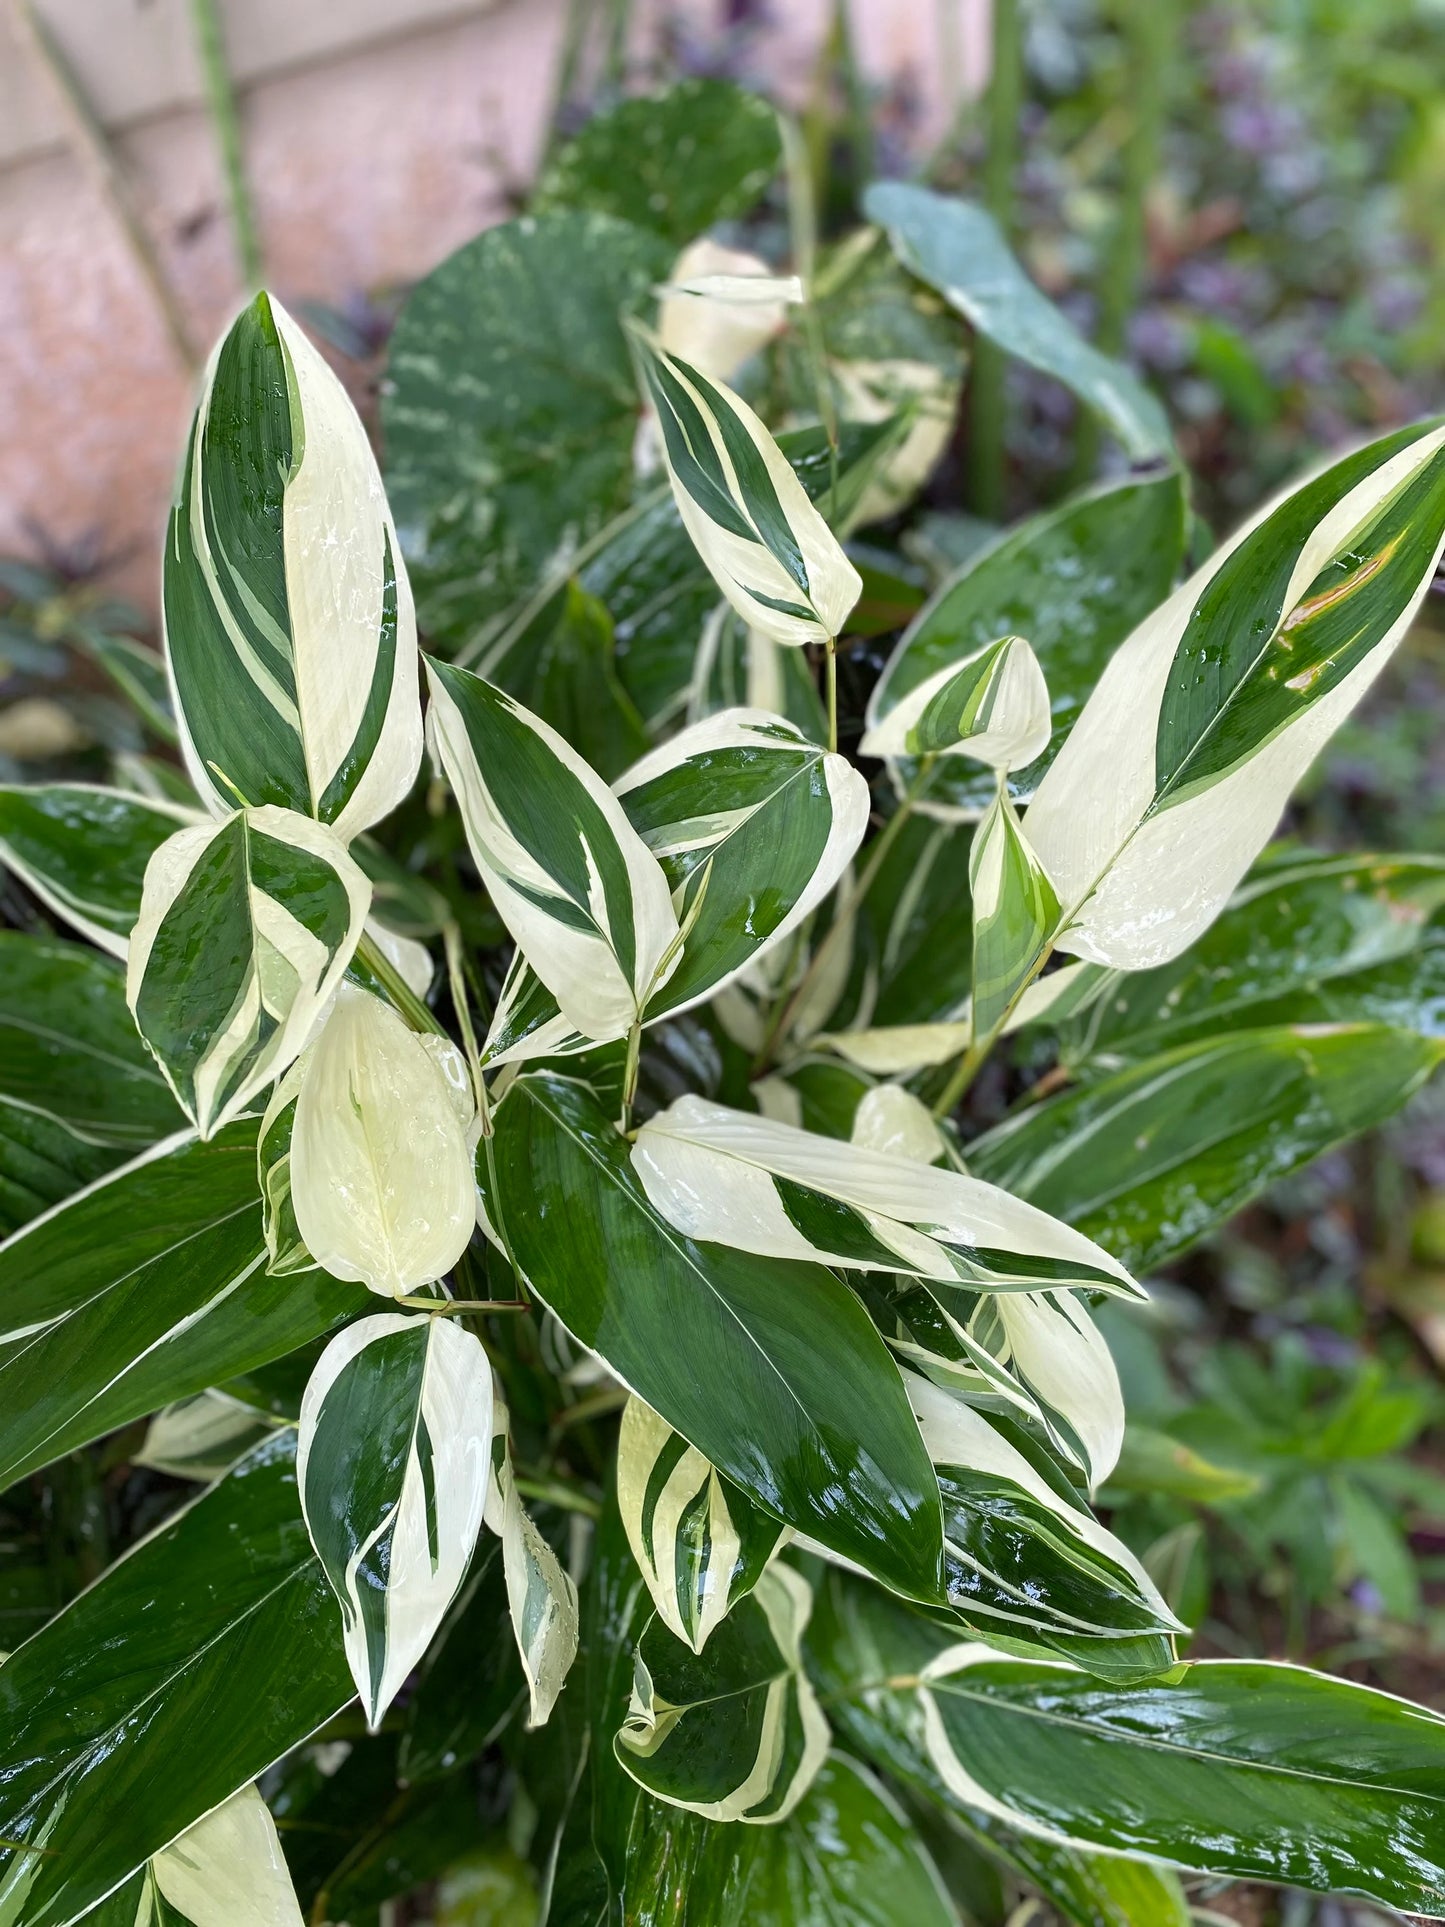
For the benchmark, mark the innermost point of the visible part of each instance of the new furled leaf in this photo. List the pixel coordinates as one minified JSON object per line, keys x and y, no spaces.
{"x":1015,"y":912}
{"x":993,"y":706}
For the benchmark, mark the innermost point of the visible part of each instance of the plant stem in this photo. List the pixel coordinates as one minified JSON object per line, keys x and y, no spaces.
{"x":986,"y":382}
{"x":553,"y":1492}
{"x":629,"y":1074}
{"x":221,"y":103}
{"x":456,"y":975}
{"x":831,"y":678}
{"x":969,"y":1064}
{"x":1149,"y":38}
{"x":407,"y":1002}
{"x":451,"y":1307}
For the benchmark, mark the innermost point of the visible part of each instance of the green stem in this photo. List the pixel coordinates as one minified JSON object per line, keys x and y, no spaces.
{"x":831,"y":680}
{"x":221,"y":102}
{"x":369,"y":953}
{"x":972,"y":1060}
{"x":553,"y":1492}
{"x":1150,"y":30}
{"x":986,"y":383}
{"x":452,"y":1307}
{"x":629,"y":1074}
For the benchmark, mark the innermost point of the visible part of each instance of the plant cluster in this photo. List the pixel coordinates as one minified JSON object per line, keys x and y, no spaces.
{"x":700,"y":1500}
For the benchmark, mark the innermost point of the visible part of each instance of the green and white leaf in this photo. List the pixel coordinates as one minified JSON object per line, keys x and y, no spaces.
{"x":228,"y":1870}
{"x":1015,"y":913}
{"x":286,"y":1250}
{"x":246,"y":929}
{"x":890,"y":1118}
{"x":700,"y":1542}
{"x":730,"y":1178}
{"x":896,"y":388}
{"x":289,"y":626}
{"x":146,"y":1287}
{"x":958,"y":249}
{"x":766,"y":546}
{"x":1016,"y":1550}
{"x":993,"y":706}
{"x":392,"y":1463}
{"x":202,"y":1437}
{"x":83,"y":850}
{"x":753,"y":826}
{"x":541,"y":1596}
{"x":735,"y":1733}
{"x":735,"y":667}
{"x":584,"y":898}
{"x":379,"y":1170}
{"x":1177,"y":771}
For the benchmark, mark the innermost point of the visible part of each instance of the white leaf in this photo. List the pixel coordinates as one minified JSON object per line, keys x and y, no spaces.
{"x":228,"y":1870}
{"x":720,"y":305}
{"x":201,"y":1437}
{"x":392,"y":1465}
{"x":381,"y":1171}
{"x":892,"y":1120}
{"x":874,"y":390}
{"x":1060,"y":1355}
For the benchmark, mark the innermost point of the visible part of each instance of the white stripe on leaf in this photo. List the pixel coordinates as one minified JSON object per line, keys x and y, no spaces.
{"x":993,"y":706}
{"x":762,"y":540}
{"x":392,"y":1465}
{"x":1015,"y":912}
{"x":540,"y":1595}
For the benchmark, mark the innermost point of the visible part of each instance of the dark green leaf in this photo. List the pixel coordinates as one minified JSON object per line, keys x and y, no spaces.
{"x":146,"y":1287}
{"x":84,"y":850}
{"x":771,"y":1369}
{"x":197,"y":1660}
{"x":676,"y":162}
{"x":470,"y":1684}
{"x":569,"y":678}
{"x":42,"y":1162}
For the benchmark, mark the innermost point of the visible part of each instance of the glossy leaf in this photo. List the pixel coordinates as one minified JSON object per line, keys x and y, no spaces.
{"x":541,"y":1597}
{"x":569,"y":678}
{"x":228,"y":1869}
{"x":392,"y":1465}
{"x":1150,"y":1159}
{"x":578,"y":889}
{"x":734,"y":1179}
{"x":1015,"y":912}
{"x":636,"y":161}
{"x":469,"y":1684}
{"x":700,"y":1542}
{"x":286,"y":1250}
{"x":508,"y":366}
{"x":992,"y":707}
{"x":289,"y":627}
{"x":68,"y":1045}
{"x":145,"y":1287}
{"x":246,"y":929}
{"x":814,"y":1424}
{"x":42,"y":1163}
{"x":957,"y":248}
{"x":752,"y":826}
{"x":1175,"y":775}
{"x":201,"y":1437}
{"x":735,"y":1733}
{"x":768,"y":549}
{"x":198,"y":1659}
{"x":83,"y":850}
{"x":1074,"y":580}
{"x":379,"y":1169}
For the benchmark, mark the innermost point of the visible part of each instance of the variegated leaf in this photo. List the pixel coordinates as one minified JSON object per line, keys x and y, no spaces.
{"x":83,"y":850}
{"x":720,"y":305}
{"x":922,"y":395}
{"x":285,"y":1247}
{"x":895,"y":1050}
{"x":290,"y":632}
{"x":1175,"y":775}
{"x":379,"y":1163}
{"x":993,"y":706}
{"x":735,"y":1733}
{"x":1016,"y":1549}
{"x":766,"y":546}
{"x":246,"y":928}
{"x":731,"y":1178}
{"x":700,"y":1541}
{"x":573,"y":882}
{"x":736,"y":667}
{"x":753,"y":826}
{"x":541,"y":1597}
{"x":1015,"y":912}
{"x":202,"y":1437}
{"x":227,"y":1870}
{"x":392,"y":1465}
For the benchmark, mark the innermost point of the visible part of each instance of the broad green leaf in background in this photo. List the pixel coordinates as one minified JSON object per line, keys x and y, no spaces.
{"x":1175,"y":775}
{"x":957,"y":248}
{"x":769,"y":550}
{"x":245,"y":930}
{"x":392,"y":1465}
{"x":570,"y":680}
{"x":510,"y":409}
{"x":83,"y":850}
{"x":1306,"y":939}
{"x":698,"y":1539}
{"x":580,"y":892}
{"x":379,"y":1168}
{"x":1246,"y":1767}
{"x":42,"y":1163}
{"x":68,"y":1045}
{"x":198,"y":1659}
{"x":138,"y":672}
{"x":146,"y":1287}
{"x":992,"y":707}
{"x":846,"y":1856}
{"x":772,"y":1371}
{"x":636,"y":161}
{"x":919,"y":909}
{"x":1074,"y":580}
{"x":289,"y":626}
{"x":731,"y":1178}
{"x":740,"y":668}
{"x":469,"y":1685}
{"x":735,"y":1733}
{"x":1151,"y":1158}
{"x":1015,"y":912}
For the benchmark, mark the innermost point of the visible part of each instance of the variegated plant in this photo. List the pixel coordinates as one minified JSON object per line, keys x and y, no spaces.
{"x":739,"y":1384}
